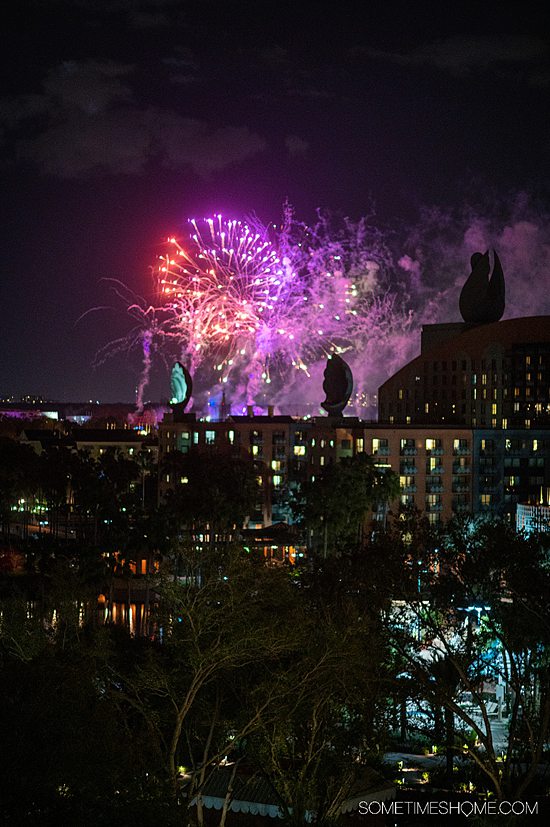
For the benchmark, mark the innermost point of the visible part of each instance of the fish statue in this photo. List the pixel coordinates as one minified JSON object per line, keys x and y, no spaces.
{"x":337,"y":386}
{"x":181,"y":386}
{"x":482,"y":299}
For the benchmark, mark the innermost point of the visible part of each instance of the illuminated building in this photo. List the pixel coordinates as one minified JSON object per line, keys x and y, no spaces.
{"x":285,"y":451}
{"x":492,"y":376}
{"x":493,"y":382}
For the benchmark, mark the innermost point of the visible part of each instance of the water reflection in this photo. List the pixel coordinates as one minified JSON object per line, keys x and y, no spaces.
{"x":134,"y":616}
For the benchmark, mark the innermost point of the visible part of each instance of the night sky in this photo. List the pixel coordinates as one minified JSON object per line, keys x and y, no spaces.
{"x":122,"y":119}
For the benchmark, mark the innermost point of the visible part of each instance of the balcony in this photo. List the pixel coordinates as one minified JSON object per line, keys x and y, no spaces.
{"x":408,"y":489}
{"x":432,"y":508}
{"x":461,"y":508}
{"x":462,"y":469}
{"x":436,"y":471}
{"x":407,"y":470}
{"x":460,"y":489}
{"x":434,"y":452}
{"x":434,"y":489}
{"x":383,"y":451}
{"x":408,"y":451}
{"x":461,"y":452}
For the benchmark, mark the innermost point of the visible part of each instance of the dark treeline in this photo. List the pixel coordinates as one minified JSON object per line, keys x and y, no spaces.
{"x":302,"y":677}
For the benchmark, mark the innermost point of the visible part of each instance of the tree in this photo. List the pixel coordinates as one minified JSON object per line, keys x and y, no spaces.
{"x":334,"y":507}
{"x":214,"y":492}
{"x":18,"y":479}
{"x":480,"y":617}
{"x":329,"y":714}
{"x":211,"y":632}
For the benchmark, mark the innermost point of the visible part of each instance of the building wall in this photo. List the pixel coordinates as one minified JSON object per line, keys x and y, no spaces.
{"x":285,"y":451}
{"x":530,"y":518}
{"x":434,"y":465}
{"x":491,"y":376}
{"x":512,"y":467}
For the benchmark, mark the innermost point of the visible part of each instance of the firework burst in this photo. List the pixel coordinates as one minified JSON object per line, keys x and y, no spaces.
{"x":231,"y":296}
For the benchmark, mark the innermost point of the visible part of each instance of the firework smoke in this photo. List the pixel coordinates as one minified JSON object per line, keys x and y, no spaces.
{"x":256,"y":310}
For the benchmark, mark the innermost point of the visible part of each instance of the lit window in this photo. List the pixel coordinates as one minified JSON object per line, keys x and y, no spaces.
{"x":231,"y":437}
{"x":535,"y":445}
{"x":430,"y":444}
{"x":321,"y":460}
{"x":313,"y":442}
{"x":277,"y":480}
{"x":255,"y":450}
{"x":359,"y":444}
{"x":210,"y":437}
{"x":299,"y":450}
{"x":505,"y":423}
{"x":184,"y":480}
{"x":195,"y":437}
{"x":276,"y":464}
{"x":485,"y":499}
{"x":426,"y":410}
{"x":494,"y":409}
{"x":400,"y":394}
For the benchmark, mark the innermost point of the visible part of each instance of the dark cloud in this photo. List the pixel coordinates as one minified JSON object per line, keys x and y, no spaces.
{"x":295,"y":145}
{"x":87,"y":122}
{"x":461,"y":55}
{"x":206,"y":149}
{"x":184,"y":66}
{"x":91,"y":86}
{"x":79,"y":145}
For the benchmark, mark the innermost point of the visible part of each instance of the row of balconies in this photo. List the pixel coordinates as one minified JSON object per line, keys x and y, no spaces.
{"x":461,"y":469}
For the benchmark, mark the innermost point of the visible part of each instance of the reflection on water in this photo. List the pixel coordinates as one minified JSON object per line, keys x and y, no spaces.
{"x":132,"y":615}
{"x":135,"y":616}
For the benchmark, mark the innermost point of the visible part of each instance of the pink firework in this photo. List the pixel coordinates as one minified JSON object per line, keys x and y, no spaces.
{"x":232,"y":297}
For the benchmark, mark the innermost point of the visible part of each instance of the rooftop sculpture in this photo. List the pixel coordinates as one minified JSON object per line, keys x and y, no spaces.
{"x":181,"y":386}
{"x":482,"y":299}
{"x":337,"y":386}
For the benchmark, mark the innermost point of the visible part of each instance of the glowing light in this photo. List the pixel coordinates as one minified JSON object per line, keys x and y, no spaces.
{"x":229,"y":291}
